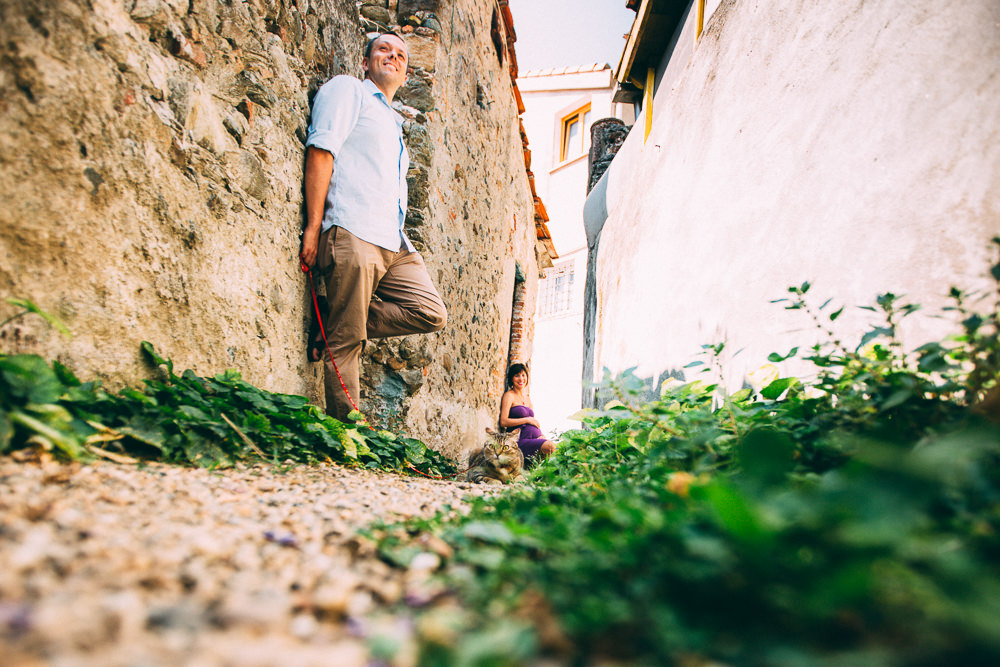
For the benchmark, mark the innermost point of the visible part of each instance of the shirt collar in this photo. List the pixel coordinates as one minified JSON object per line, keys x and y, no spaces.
{"x":374,"y":90}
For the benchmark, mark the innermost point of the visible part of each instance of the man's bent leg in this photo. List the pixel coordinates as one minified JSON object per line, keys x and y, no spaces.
{"x":355,"y":265}
{"x":409,"y":302}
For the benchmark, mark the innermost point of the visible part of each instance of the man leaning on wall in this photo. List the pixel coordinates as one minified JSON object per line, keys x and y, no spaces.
{"x":356,"y":198}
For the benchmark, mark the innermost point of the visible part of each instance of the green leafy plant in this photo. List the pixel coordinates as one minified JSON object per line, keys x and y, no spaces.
{"x":188,"y":419}
{"x":30,"y":391}
{"x":31,"y":412}
{"x":29,"y":307}
{"x":850,"y":518}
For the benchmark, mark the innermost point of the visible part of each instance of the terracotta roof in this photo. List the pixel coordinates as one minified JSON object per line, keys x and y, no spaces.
{"x":559,"y":71}
{"x":541,"y":216}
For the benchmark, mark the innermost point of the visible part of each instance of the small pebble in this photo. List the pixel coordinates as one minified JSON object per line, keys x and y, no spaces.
{"x":117,"y":564}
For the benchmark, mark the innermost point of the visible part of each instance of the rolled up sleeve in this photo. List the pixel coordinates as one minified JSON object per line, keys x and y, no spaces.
{"x":336,"y":109}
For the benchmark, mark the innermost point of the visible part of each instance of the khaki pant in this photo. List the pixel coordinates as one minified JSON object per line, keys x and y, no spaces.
{"x":407,"y":303}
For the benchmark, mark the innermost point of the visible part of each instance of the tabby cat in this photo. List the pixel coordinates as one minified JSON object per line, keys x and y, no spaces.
{"x":498,"y":461}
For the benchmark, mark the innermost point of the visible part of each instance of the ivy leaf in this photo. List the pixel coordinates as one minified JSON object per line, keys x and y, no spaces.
{"x":65,"y":375}
{"x":354,"y":444}
{"x":257,"y":400}
{"x":775,"y":357}
{"x":52,"y":424}
{"x":875,"y":332}
{"x":488,"y":531}
{"x":192,"y":412}
{"x":778,"y":387}
{"x":157,"y":360}
{"x":147,"y":434}
{"x":932,"y":358}
{"x":31,"y":307}
{"x":28,"y":378}
{"x":897,"y":398}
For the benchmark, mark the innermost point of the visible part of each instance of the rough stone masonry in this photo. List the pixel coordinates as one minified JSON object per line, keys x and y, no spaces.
{"x":151,"y":159}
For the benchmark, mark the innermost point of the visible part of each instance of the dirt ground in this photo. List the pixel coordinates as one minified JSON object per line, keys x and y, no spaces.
{"x":111,"y":564}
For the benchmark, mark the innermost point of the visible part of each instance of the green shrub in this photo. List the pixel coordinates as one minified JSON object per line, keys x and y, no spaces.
{"x":188,"y":419}
{"x":849,"y":519}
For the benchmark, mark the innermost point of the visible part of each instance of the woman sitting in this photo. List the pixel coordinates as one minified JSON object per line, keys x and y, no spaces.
{"x":516,"y":412}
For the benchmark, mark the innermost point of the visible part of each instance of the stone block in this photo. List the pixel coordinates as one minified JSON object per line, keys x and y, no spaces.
{"x":423,"y":51}
{"x":417,"y":182}
{"x":237,"y":124}
{"x":251,"y":84}
{"x":415,"y":218}
{"x":377,"y":13}
{"x":413,"y":6}
{"x":430,"y":22}
{"x":248,"y":172}
{"x":418,"y":143}
{"x":418,"y":91}
{"x":205,"y":123}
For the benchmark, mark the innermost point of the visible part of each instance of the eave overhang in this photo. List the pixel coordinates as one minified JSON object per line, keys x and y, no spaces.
{"x":654,"y":25}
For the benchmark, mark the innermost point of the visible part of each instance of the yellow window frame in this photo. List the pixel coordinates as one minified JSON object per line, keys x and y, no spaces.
{"x":567,"y":152}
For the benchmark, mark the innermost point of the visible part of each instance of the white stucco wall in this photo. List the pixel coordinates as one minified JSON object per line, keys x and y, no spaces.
{"x":853,"y":144}
{"x":549,"y":96}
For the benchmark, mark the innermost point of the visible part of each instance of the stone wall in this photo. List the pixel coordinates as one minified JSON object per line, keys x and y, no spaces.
{"x":474,"y":222}
{"x":151,"y":156}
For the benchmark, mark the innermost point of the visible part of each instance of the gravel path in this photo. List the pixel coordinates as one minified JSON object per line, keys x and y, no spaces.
{"x":108,"y":564}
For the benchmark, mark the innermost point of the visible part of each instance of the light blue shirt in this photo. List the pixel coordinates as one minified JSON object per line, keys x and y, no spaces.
{"x":352,"y":120}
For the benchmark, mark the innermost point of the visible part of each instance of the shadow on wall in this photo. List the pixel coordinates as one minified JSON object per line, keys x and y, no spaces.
{"x":630,"y":388}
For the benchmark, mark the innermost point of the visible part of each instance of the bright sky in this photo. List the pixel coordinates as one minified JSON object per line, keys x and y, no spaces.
{"x":560,"y":33}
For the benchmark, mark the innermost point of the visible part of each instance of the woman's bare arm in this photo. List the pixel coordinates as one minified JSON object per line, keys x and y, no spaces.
{"x":506,"y":421}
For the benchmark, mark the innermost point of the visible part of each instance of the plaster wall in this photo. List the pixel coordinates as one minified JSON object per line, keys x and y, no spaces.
{"x":563,"y":185}
{"x":549,"y":96}
{"x":556,"y":363}
{"x":854,"y":145}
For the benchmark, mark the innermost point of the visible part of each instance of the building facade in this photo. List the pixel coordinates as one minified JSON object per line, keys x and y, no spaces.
{"x":855,"y":146}
{"x":561,"y":106}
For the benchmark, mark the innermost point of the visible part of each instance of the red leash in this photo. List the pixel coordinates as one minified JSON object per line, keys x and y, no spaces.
{"x":460,"y":472}
{"x":319,"y":319}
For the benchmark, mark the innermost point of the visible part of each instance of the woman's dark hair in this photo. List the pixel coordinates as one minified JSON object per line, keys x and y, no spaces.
{"x":514,"y":370}
{"x":371,"y":42}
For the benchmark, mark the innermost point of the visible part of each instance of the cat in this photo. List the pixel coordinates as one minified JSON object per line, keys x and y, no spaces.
{"x":498,"y":461}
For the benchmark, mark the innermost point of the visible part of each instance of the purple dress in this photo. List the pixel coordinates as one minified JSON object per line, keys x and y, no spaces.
{"x":530,"y":440}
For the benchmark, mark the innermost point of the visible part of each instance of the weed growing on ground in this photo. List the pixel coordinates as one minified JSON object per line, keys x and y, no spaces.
{"x":187,"y":419}
{"x":850,"y":519}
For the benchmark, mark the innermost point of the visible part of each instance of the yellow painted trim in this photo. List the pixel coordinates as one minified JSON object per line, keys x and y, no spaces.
{"x":647,"y":101}
{"x":567,"y":152}
{"x":699,"y":21}
{"x":624,"y":71}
